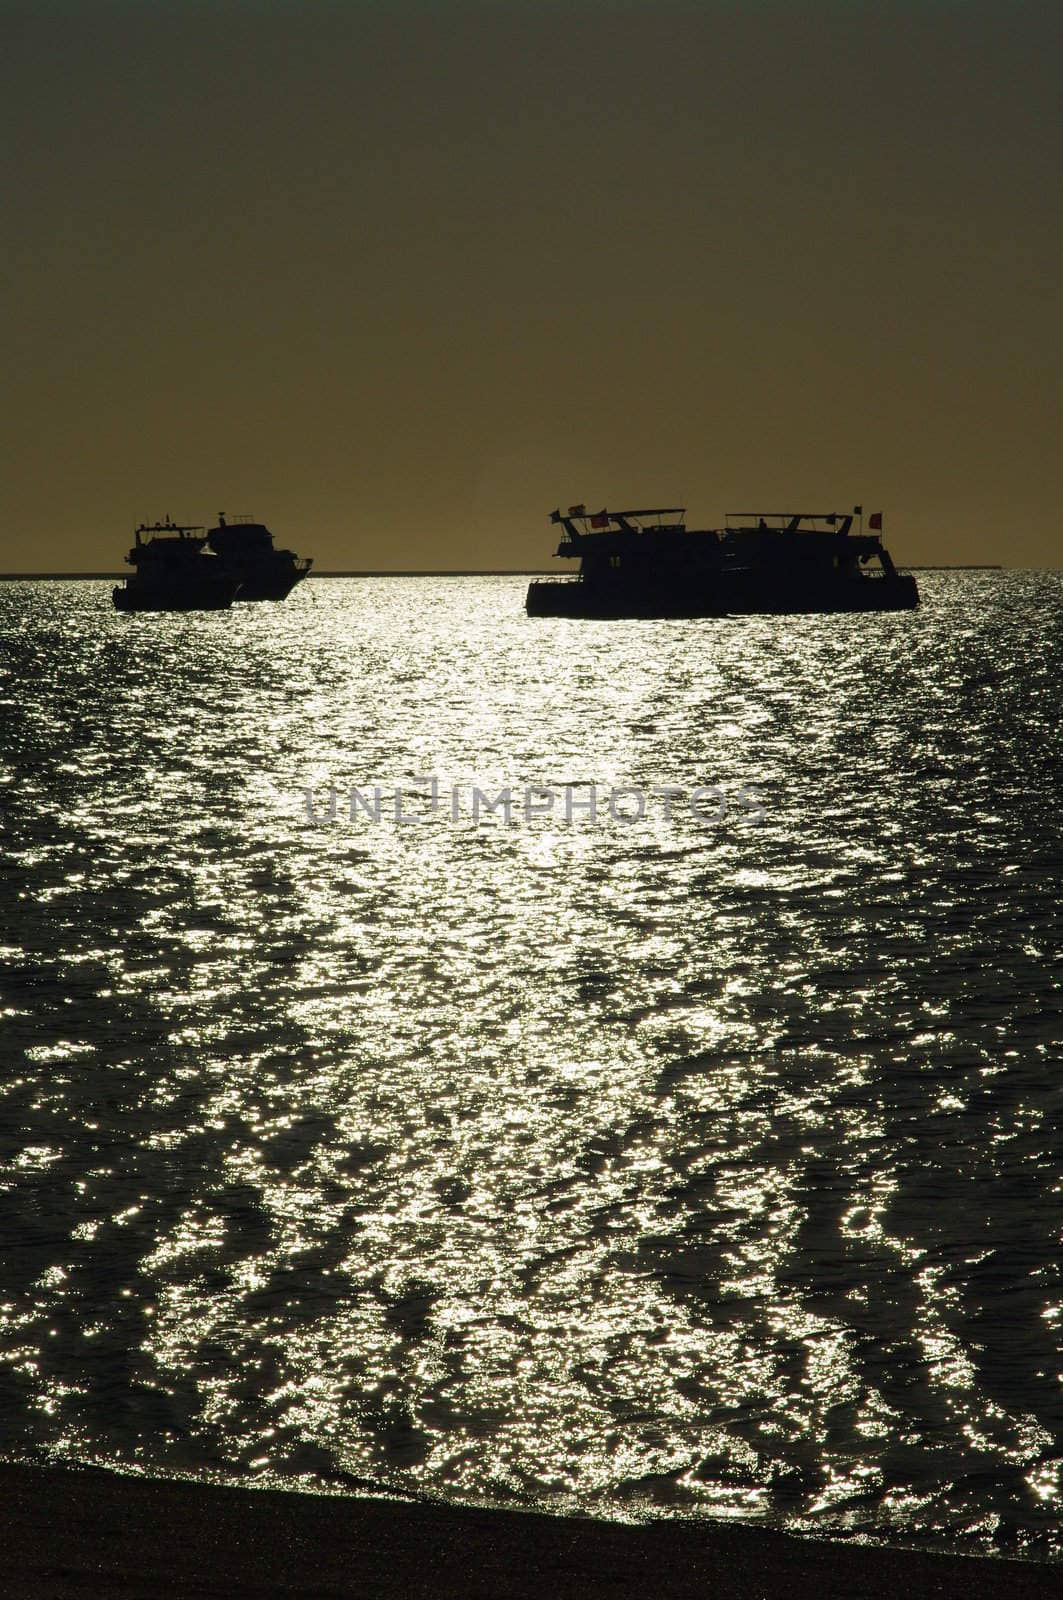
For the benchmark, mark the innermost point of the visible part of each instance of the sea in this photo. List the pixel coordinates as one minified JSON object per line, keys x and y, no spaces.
{"x":604,"y":1067}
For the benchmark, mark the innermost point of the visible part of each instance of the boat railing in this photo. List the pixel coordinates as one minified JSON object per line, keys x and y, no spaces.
{"x":182,"y":529}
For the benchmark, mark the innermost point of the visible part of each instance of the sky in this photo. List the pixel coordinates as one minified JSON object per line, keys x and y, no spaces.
{"x":398,"y":279}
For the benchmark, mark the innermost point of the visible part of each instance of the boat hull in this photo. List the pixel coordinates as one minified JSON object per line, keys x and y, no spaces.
{"x":753,"y":597}
{"x":573,"y":598}
{"x":731,"y":597}
{"x":268,"y":585}
{"x":215,"y":596}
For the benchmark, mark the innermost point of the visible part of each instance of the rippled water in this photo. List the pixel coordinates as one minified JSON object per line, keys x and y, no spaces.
{"x":689,"y":1166}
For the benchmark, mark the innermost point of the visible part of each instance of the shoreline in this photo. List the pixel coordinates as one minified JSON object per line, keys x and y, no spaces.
{"x":89,"y":1532}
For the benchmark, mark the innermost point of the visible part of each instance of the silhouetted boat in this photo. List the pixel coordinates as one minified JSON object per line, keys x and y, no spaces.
{"x":245,"y":549}
{"x":649,"y":564}
{"x":173,"y":572}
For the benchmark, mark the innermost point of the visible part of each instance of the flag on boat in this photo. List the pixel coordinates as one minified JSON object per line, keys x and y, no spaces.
{"x":875,"y":520}
{"x":858,"y":511}
{"x":601,"y":519}
{"x":577,"y":511}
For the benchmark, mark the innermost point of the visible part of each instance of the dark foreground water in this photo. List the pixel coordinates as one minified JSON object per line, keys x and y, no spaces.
{"x":706,"y":1163}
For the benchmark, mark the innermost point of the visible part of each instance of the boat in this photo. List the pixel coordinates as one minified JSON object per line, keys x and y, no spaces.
{"x":173,"y":572}
{"x":789,"y":561}
{"x":185,"y":567}
{"x":639,"y":563}
{"x":647,"y":563}
{"x":246,"y":551}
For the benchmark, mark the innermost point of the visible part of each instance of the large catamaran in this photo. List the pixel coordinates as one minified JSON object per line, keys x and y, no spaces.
{"x":647,"y":563}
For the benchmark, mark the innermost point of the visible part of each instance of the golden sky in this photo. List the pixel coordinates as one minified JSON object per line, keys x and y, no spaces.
{"x":400,"y":278}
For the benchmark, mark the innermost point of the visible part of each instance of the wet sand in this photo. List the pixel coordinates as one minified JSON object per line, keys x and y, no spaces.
{"x":89,"y":1533}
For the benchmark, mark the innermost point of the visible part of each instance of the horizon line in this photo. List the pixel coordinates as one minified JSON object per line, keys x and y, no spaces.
{"x":498,"y":572}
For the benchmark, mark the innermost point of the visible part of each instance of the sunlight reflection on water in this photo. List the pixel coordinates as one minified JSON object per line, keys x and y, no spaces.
{"x":648,"y":1167}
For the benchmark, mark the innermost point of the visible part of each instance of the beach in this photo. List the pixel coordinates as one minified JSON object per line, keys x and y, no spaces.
{"x":92,"y":1533}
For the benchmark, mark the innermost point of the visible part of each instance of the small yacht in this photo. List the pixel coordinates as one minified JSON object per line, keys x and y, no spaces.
{"x":173,"y":572}
{"x":245,"y":549}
